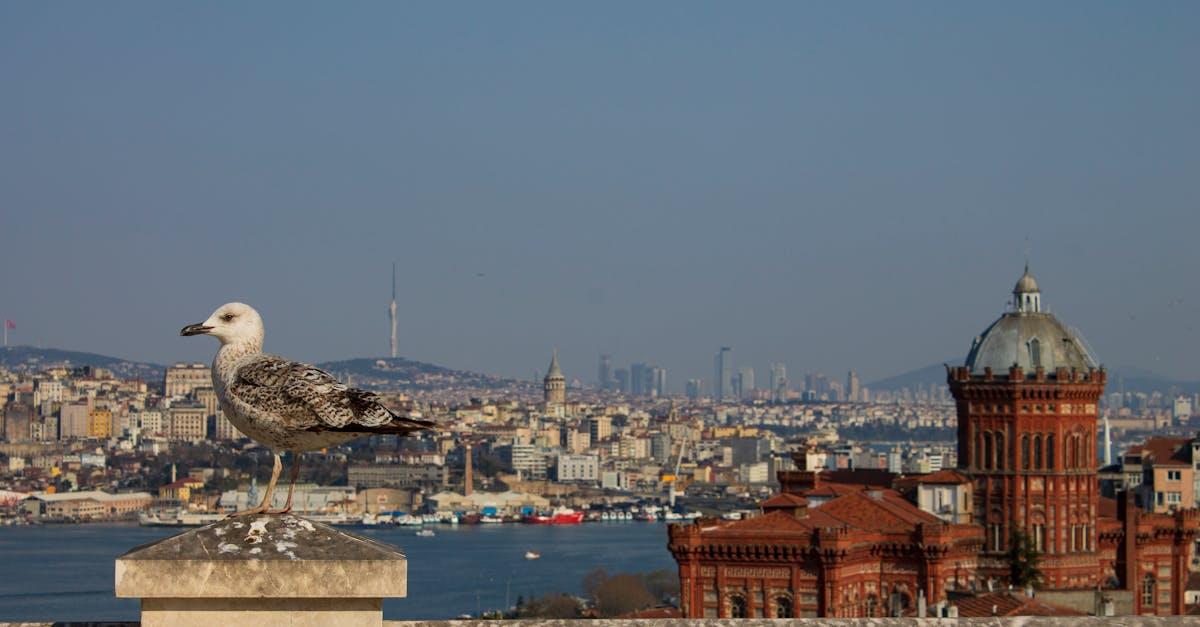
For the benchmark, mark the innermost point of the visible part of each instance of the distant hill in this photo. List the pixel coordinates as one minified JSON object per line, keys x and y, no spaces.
{"x":928,"y":376}
{"x":29,"y":358}
{"x":1135,"y":380}
{"x":406,"y":374}
{"x":394,"y":374}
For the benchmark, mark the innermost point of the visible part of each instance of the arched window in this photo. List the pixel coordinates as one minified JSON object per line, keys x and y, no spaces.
{"x":977,"y":458}
{"x":987,"y":451}
{"x":1025,"y":452}
{"x":898,"y":604}
{"x":783,"y":607}
{"x":1000,"y":451}
{"x":1087,"y":460}
{"x":1148,"y":585}
{"x":1035,"y":353}
{"x":1050,"y":451}
{"x":737,"y":606}
{"x":1037,"y":451}
{"x":1071,"y":451}
{"x":872,"y":604}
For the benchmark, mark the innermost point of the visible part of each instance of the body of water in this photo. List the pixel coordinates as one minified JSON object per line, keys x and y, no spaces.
{"x":65,"y":572}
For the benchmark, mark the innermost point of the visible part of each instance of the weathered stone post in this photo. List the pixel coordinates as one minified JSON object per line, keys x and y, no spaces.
{"x":262,"y":571}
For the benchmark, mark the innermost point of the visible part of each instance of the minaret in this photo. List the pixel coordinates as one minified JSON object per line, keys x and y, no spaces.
{"x":1107,"y":442}
{"x":554,"y":386}
{"x":392,"y":310}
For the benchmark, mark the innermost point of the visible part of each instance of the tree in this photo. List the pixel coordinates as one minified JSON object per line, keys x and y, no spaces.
{"x":553,"y":605}
{"x":592,"y":581}
{"x":662,"y":584}
{"x":1023,"y":561}
{"x":622,"y":594}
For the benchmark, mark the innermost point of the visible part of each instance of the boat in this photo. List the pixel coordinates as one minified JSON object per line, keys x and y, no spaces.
{"x":177,"y":519}
{"x":426,"y":533}
{"x":566,"y":516}
{"x":491,"y":519}
{"x":532,"y":555}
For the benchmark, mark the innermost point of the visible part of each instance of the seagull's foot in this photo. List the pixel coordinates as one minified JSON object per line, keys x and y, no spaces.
{"x":276,"y":512}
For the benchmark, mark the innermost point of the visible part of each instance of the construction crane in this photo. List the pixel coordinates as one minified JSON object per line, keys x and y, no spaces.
{"x":675,"y":476}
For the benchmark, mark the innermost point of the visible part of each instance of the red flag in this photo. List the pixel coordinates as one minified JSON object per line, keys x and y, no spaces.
{"x":9,"y":324}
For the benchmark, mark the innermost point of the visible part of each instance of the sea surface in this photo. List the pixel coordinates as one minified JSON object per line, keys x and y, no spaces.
{"x":65,"y":572}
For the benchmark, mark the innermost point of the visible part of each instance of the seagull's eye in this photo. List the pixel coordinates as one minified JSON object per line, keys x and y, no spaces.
{"x":227,"y":317}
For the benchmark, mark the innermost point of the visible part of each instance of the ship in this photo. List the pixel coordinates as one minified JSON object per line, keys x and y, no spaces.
{"x":177,"y":519}
{"x":560,"y":516}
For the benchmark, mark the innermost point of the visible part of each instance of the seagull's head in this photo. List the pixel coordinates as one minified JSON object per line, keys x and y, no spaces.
{"x":230,"y":323}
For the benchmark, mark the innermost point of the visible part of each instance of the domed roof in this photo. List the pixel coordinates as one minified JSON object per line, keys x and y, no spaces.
{"x":1026,"y":284}
{"x":1028,"y":340}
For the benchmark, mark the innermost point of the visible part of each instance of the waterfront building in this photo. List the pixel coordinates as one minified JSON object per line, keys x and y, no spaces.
{"x":397,"y":475}
{"x":577,"y":468}
{"x":849,"y":543}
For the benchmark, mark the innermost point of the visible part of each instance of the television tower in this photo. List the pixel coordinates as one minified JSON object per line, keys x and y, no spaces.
{"x":392,"y":310}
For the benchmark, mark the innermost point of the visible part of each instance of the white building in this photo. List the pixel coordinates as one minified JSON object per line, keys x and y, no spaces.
{"x":584,"y":468}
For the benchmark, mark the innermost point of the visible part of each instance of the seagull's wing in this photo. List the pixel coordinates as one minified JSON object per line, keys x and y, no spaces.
{"x":310,"y":398}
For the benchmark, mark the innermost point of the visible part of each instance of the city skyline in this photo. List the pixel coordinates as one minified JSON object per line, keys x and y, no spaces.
{"x":651,"y":189}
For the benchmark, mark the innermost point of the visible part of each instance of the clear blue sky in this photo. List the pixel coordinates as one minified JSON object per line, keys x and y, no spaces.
{"x":831,"y":185}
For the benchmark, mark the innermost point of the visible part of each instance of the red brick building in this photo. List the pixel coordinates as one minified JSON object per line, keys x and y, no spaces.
{"x":1027,"y":401}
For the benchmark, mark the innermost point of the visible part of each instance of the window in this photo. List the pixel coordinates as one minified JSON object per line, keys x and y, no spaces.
{"x":1000,"y":451}
{"x":1037,"y":451}
{"x":1039,"y":538}
{"x":1050,"y":451}
{"x":872,"y":602}
{"x":1148,"y":591}
{"x":1035,"y":352}
{"x":737,"y":607}
{"x":1025,"y":452}
{"x":1173,"y":498}
{"x":987,"y":451}
{"x":1174,"y":475}
{"x":783,"y":607}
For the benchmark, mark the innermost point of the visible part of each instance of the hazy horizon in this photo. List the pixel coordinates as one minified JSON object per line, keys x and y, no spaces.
{"x":828,"y":186}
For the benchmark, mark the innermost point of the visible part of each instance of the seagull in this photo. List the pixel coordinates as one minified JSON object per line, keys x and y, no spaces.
{"x":287,"y":405}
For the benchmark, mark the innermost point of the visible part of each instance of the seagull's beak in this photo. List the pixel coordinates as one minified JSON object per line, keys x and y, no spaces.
{"x":195,"y":329}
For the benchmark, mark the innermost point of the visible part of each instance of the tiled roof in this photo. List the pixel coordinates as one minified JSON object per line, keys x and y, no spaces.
{"x":877,"y":510}
{"x":1169,"y":451}
{"x":785,"y":499}
{"x":947,"y":476}
{"x":1010,"y":605}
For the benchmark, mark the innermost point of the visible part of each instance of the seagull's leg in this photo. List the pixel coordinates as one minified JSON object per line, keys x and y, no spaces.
{"x":287,"y":507}
{"x":266,"y":502}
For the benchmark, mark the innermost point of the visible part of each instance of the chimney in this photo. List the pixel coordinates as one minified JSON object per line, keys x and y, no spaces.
{"x":468,"y":474}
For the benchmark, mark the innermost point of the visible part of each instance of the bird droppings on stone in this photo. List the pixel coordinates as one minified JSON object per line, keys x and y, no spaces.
{"x":255,"y":551}
{"x":226,"y":547}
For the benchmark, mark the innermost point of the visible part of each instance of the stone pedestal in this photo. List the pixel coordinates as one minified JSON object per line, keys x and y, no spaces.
{"x":262,"y":571}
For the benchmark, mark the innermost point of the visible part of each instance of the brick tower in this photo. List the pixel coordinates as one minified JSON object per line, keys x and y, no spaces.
{"x":1027,"y":408}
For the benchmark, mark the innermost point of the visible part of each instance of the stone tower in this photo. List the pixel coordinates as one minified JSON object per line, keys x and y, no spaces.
{"x":1027,"y":406}
{"x":554,"y":386}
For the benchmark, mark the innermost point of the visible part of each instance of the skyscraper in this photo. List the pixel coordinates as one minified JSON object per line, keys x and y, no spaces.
{"x":852,"y":387}
{"x":639,"y":379}
{"x":779,"y":382}
{"x":723,"y":374}
{"x":604,"y":373}
{"x":658,"y":379}
{"x":392,"y":310}
{"x":745,"y":385}
{"x":694,"y":389}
